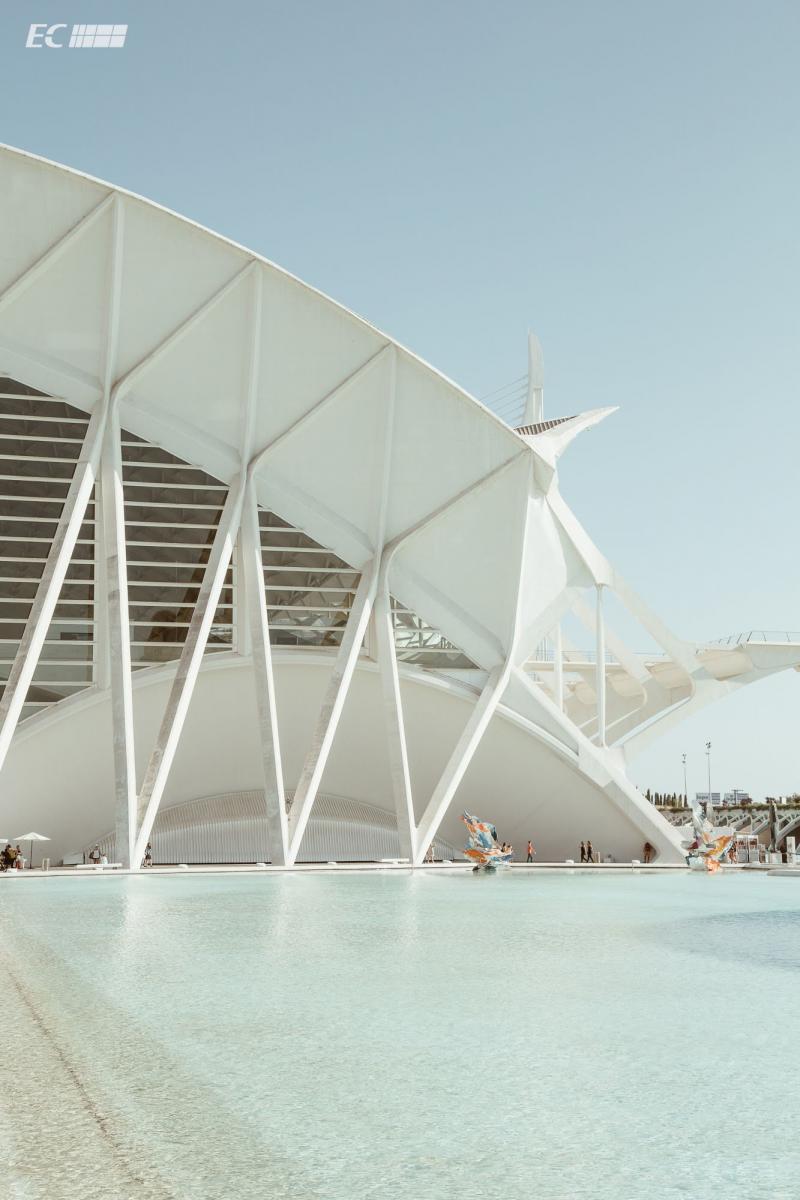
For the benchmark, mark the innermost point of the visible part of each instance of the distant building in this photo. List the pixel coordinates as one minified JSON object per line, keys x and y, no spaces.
{"x":726,"y":800}
{"x":737,"y":796}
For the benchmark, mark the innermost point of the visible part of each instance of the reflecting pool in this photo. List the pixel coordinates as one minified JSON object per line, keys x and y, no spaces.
{"x":337,"y":1036}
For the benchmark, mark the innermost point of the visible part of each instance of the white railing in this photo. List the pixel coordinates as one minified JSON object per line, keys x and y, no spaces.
{"x":778,"y":637}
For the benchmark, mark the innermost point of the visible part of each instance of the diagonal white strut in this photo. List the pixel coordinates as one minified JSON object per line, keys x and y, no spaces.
{"x":461,"y":757}
{"x":398,"y":747}
{"x":163,"y":753}
{"x":49,"y":589}
{"x":31,"y":273}
{"x":358,"y":620}
{"x":331,"y":710}
{"x":80,"y":489}
{"x":484,"y":710}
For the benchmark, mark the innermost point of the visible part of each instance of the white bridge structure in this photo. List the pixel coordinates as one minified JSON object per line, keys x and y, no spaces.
{"x":250,"y":547}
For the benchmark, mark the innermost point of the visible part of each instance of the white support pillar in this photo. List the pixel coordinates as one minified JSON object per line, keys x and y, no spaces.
{"x":242,"y":640}
{"x":115,"y":575}
{"x":251,"y":612}
{"x":112,"y":575}
{"x":558,"y":666}
{"x":460,"y":759}
{"x":600,"y":672}
{"x":395,"y":725}
{"x":101,"y":667}
{"x":49,"y":589}
{"x":180,"y":696}
{"x":331,"y":709}
{"x":381,"y":644}
{"x":253,"y":596}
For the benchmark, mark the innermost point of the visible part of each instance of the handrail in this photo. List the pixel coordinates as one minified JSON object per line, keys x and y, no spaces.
{"x":765,"y":636}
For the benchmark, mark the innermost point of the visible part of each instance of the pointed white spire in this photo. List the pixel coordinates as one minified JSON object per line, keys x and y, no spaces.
{"x":534,"y":404}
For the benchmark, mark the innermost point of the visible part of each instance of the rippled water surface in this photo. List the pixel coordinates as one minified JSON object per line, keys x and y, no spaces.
{"x":378,"y":1035}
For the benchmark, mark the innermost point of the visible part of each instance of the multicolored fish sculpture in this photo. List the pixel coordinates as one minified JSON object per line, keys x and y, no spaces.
{"x":708,"y":846}
{"x":482,"y":848}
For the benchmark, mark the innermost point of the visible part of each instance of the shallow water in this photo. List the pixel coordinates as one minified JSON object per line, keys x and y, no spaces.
{"x":382,"y":1035}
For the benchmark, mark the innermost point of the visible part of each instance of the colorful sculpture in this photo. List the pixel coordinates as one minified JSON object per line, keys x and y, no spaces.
{"x":708,"y":846}
{"x":482,"y":848}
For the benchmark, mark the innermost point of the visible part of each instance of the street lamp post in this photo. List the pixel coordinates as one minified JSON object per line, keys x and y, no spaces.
{"x":685,"y":786}
{"x":710,"y":806}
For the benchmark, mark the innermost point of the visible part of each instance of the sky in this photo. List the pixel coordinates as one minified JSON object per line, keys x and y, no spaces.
{"x":621,"y":178}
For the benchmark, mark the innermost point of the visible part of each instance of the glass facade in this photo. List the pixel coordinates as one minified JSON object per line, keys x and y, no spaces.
{"x":40,"y":441}
{"x":171,"y":510}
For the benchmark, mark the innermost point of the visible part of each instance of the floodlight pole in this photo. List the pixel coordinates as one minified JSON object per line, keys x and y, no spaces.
{"x":709,"y":806}
{"x":685,"y":785}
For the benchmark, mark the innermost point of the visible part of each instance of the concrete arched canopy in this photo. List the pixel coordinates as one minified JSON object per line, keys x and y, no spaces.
{"x":234,"y":365}
{"x":357,"y":430}
{"x":60,"y":772}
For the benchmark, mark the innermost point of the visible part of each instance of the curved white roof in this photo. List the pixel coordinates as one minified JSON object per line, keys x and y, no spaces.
{"x":218,"y":355}
{"x":130,"y":312}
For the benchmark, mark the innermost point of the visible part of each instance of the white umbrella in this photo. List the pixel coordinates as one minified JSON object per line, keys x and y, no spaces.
{"x":32,"y":837}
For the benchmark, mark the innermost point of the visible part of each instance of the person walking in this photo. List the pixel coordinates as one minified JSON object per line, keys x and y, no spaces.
{"x":589,"y":852}
{"x":648,"y":852}
{"x":583,"y":852}
{"x":531,"y":851}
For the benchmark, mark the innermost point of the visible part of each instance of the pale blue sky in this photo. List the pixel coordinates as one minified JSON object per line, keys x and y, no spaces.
{"x":623,"y":178}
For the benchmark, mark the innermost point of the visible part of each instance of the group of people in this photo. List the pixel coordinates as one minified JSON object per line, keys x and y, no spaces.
{"x":11,"y":858}
{"x":507,"y":848}
{"x":99,"y":859}
{"x":587,"y":852}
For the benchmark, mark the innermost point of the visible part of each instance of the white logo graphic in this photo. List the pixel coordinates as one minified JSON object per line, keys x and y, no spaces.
{"x":94,"y":37}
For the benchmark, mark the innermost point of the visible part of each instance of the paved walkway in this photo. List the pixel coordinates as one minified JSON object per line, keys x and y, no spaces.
{"x":311,"y":868}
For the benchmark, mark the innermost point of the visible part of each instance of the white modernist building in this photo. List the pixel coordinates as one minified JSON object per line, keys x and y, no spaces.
{"x":272,"y":587}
